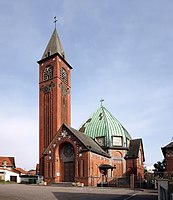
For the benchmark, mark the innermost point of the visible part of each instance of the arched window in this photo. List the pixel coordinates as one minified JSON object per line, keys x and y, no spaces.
{"x":63,"y":75}
{"x":48,"y":73}
{"x":67,"y":152}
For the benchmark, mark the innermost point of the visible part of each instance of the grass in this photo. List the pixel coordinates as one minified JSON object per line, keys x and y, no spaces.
{"x":6,"y":182}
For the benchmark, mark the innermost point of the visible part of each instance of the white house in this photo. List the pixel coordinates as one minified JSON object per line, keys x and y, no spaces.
{"x":7,"y":170}
{"x":9,"y":175}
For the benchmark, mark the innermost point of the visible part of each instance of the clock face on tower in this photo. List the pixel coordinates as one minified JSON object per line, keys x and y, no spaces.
{"x":63,"y":75}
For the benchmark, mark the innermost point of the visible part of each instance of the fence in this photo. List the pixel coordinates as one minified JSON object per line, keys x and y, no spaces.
{"x":164,"y":195}
{"x":126,"y":182}
{"x":165,"y":189}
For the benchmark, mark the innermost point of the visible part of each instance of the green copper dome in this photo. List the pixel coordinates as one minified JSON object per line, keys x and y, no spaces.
{"x":106,"y":129}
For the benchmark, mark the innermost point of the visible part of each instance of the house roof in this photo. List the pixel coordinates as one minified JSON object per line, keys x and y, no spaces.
{"x":21,"y":170}
{"x":134,"y":148}
{"x":32,"y":172}
{"x":168,"y":146}
{"x":2,"y":169}
{"x":10,"y":161}
{"x":103,"y":123}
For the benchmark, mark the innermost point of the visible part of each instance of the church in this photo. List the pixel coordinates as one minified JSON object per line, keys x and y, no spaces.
{"x":101,"y":150}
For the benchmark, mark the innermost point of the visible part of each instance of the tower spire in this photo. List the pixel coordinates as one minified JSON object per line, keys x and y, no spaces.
{"x":54,"y":45}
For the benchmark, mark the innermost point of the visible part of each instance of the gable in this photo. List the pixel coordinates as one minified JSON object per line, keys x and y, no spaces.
{"x":7,"y":161}
{"x":86,"y":143}
{"x":168,"y":146}
{"x":134,"y":149}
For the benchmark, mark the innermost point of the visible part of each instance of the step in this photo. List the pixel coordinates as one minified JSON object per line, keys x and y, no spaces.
{"x":62,"y":184}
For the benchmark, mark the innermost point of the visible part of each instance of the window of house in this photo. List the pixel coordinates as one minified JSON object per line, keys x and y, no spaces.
{"x":101,"y":140}
{"x":117,"y":141}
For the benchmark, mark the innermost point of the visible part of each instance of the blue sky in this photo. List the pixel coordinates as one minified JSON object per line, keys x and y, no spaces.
{"x":120,"y":50}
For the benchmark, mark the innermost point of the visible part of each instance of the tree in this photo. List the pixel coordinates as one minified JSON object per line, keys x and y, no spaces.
{"x":160,"y":168}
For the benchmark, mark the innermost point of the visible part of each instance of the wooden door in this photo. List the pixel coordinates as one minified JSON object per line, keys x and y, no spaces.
{"x":69,"y":171}
{"x":13,"y":178}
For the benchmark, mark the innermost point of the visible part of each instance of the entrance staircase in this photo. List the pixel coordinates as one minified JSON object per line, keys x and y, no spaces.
{"x":62,"y":184}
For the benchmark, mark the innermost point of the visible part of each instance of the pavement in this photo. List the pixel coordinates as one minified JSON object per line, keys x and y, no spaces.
{"x":34,"y":192}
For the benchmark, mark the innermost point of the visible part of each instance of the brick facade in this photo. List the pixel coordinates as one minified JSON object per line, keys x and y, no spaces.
{"x":135,"y":165}
{"x":54,"y":102}
{"x":86,"y":163}
{"x":65,"y":155}
{"x":169,"y":163}
{"x":168,"y":155}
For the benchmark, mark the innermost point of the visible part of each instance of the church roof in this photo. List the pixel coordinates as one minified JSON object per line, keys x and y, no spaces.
{"x":88,"y":142}
{"x":54,"y":46}
{"x":103,"y":123}
{"x":134,"y":149}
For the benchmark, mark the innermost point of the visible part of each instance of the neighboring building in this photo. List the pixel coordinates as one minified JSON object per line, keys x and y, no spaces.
{"x":8,"y":171}
{"x":9,"y":175}
{"x":37,"y":169}
{"x":135,"y":158}
{"x":32,"y":172}
{"x":150,"y":169}
{"x":7,"y":162}
{"x":168,"y":155}
{"x":102,"y":144}
{"x":165,"y":181}
{"x":22,"y":171}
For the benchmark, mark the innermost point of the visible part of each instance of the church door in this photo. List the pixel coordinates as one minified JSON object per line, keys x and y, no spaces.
{"x":67,"y":157}
{"x":68,"y":171}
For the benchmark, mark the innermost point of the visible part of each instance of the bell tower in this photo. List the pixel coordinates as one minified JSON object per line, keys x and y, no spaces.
{"x":54,"y":94}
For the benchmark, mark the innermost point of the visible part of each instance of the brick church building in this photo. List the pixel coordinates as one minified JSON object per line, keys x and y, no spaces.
{"x":100,"y":151}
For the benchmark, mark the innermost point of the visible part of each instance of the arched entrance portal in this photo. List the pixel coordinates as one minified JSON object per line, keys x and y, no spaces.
{"x":67,"y":162}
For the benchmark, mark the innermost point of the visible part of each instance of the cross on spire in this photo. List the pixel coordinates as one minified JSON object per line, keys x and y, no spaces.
{"x":55,"y":20}
{"x":101,"y":101}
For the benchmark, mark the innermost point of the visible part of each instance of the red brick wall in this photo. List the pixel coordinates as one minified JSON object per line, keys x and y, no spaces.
{"x":136,"y":166}
{"x":169,"y":164}
{"x":117,"y":159}
{"x":169,"y":160}
{"x":86,"y":163}
{"x":54,"y":107}
{"x":91,"y":162}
